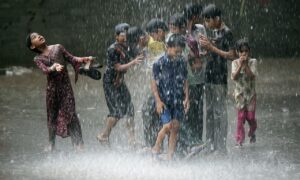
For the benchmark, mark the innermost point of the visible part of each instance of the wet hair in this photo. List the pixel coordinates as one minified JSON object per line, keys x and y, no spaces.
{"x":28,"y":43}
{"x":177,"y":20}
{"x":122,"y":27}
{"x":155,"y":24}
{"x":211,"y":11}
{"x":134,"y":33}
{"x":176,"y":40}
{"x":242,"y":43}
{"x":191,"y":10}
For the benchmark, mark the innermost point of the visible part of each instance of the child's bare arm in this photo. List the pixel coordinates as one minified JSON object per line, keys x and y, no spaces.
{"x":249,"y":72}
{"x":186,"y":102}
{"x":159,"y":104}
{"x":236,"y":69}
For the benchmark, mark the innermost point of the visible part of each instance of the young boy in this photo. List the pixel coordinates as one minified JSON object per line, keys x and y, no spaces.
{"x":220,"y":49}
{"x":170,"y":89}
{"x":196,"y":75}
{"x":244,"y":72}
{"x":117,"y":95}
{"x":156,"y":29}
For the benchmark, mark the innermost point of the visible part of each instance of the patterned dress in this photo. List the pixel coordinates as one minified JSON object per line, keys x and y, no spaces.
{"x":244,"y":91}
{"x":61,"y":113}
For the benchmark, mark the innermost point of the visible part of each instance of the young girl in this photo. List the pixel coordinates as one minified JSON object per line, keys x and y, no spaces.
{"x":61,"y":115}
{"x":244,"y":72}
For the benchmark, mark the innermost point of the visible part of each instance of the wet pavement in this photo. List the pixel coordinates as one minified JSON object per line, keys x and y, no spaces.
{"x":23,"y":134}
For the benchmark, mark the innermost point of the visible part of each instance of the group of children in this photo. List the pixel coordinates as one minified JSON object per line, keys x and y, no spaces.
{"x":184,"y":60}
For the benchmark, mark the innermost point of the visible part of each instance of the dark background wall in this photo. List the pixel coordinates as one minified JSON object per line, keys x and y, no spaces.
{"x":85,"y":27}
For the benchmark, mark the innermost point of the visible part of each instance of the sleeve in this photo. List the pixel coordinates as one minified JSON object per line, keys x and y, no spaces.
{"x":72,"y":60}
{"x":42,"y":66}
{"x":253,"y":67}
{"x":156,"y":71}
{"x":113,"y":57}
{"x":229,"y":40}
{"x":234,"y":66}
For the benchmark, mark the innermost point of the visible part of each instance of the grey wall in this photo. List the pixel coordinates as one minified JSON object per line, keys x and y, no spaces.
{"x":85,"y":27}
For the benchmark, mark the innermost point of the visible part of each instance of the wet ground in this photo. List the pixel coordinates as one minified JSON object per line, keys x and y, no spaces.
{"x":23,"y":134}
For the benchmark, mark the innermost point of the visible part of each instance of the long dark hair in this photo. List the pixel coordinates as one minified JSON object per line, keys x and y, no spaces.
{"x":28,"y":44}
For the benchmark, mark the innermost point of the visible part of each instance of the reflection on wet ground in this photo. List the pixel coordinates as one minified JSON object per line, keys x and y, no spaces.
{"x":23,"y":134}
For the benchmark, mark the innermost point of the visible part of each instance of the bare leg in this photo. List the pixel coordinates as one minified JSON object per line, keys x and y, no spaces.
{"x":130,"y":126}
{"x":51,"y":146}
{"x":110,"y":123}
{"x":173,"y":138}
{"x":160,"y":137}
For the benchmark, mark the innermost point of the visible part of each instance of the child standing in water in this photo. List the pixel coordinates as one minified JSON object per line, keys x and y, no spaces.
{"x":61,"y":114}
{"x":170,"y":89}
{"x":244,"y":72}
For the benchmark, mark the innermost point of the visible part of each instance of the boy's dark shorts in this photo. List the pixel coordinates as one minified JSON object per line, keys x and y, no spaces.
{"x":118,"y":100}
{"x":171,"y":113}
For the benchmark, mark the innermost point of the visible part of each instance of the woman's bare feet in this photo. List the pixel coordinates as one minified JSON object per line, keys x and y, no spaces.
{"x":103,"y":139}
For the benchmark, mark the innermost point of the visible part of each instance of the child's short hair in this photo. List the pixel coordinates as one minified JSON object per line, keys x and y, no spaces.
{"x":122,"y":27}
{"x":242,"y":43}
{"x":176,"y":40}
{"x":211,"y":11}
{"x":155,"y":24}
{"x":191,"y":10}
{"x":177,"y":20}
{"x":134,"y":34}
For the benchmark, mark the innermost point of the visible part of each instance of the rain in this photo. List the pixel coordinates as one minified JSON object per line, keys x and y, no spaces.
{"x":87,"y":28}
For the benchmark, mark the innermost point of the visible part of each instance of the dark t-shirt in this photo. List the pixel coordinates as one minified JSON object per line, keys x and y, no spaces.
{"x":216,"y":68}
{"x":116,"y":53}
{"x":170,"y":76}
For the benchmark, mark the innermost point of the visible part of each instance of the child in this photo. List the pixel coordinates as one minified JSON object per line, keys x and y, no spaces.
{"x":244,"y":72}
{"x":170,"y":89}
{"x":156,"y":30}
{"x":61,"y":115}
{"x":220,"y":49}
{"x":117,"y":95}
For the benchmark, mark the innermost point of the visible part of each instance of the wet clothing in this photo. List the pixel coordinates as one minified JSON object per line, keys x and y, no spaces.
{"x":249,"y":116}
{"x":60,"y":100}
{"x":170,"y":76}
{"x":245,"y":99}
{"x":216,"y":116}
{"x":216,"y":90}
{"x":244,"y":89}
{"x":117,"y":95}
{"x":192,"y":128}
{"x":194,"y":122}
{"x":151,"y":123}
{"x":155,"y":47}
{"x":216,"y":68}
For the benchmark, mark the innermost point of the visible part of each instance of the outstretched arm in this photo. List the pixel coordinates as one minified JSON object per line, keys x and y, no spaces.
{"x":125,"y":67}
{"x":205,"y":43}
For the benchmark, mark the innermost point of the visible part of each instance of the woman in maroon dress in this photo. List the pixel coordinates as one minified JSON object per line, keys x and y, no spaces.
{"x":61,"y":114}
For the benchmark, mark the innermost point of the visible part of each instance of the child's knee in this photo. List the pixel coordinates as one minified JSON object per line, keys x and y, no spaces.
{"x":251,"y":116}
{"x":175,"y":125}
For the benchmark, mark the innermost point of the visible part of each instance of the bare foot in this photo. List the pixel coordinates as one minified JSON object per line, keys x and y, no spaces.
{"x":102,"y":138}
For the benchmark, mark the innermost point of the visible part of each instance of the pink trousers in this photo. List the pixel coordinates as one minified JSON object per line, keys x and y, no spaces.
{"x":249,"y":116}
